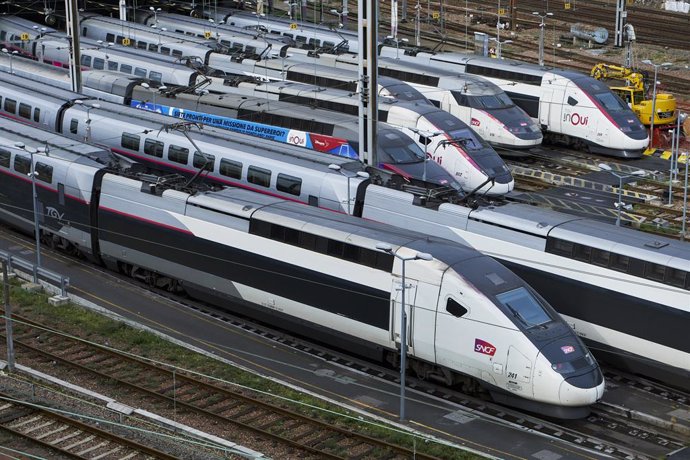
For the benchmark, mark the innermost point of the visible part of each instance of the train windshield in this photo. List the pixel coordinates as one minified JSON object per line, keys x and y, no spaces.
{"x":403,"y":92}
{"x":611,"y":102}
{"x":467,"y":139}
{"x":490,"y":102}
{"x":524,"y":307}
{"x":396,"y":148}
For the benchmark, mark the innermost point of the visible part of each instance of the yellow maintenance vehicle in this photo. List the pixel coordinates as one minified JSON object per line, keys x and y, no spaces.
{"x":634,"y":93}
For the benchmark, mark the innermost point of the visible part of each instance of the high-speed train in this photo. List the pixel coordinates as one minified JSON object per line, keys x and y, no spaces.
{"x":231,"y":23}
{"x":625,"y":292}
{"x":159,"y":38}
{"x":222,"y":156}
{"x":570,"y":107}
{"x":315,"y":273}
{"x":447,"y":140}
{"x":474,"y":100}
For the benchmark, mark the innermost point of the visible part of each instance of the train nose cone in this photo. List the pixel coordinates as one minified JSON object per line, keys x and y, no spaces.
{"x":583,"y":389}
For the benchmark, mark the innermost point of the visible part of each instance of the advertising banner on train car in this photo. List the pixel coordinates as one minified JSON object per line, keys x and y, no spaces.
{"x":312,"y":141}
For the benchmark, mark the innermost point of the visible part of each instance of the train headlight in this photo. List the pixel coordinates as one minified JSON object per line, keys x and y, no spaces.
{"x":567,"y":367}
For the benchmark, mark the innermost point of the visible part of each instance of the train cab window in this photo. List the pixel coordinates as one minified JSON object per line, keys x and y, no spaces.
{"x":130,"y":141}
{"x":559,"y":247}
{"x":572,"y":100}
{"x":139,"y":72}
{"x":654,"y":272}
{"x":73,"y":126}
{"x":524,"y":307}
{"x":85,"y":60}
{"x":229,"y":168}
{"x":259,"y":176}
{"x":112,"y":65}
{"x":205,"y":161}
{"x":126,"y":68}
{"x":455,"y":308}
{"x":24,"y":110}
{"x":619,"y":262}
{"x":22,"y":164}
{"x":37,"y":114}
{"x":289,"y":184}
{"x":44,"y":172}
{"x":153,"y":148}
{"x":178,"y":154}
{"x":600,"y":257}
{"x":98,"y":63}
{"x":156,"y":76}
{"x":582,"y":253}
{"x":675,"y":277}
{"x":10,"y":105}
{"x":5,"y":156}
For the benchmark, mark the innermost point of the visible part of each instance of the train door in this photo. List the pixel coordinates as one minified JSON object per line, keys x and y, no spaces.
{"x":518,"y":371}
{"x":410,"y":298}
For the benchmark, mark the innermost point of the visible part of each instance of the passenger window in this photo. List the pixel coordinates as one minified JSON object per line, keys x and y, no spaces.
{"x":560,"y":247}
{"x":10,"y":105}
{"x":22,"y":165}
{"x":600,"y":258}
{"x":654,"y":271}
{"x":139,"y":72}
{"x":455,"y":309}
{"x":165,"y":50}
{"x":205,"y":161}
{"x":126,"y":68}
{"x":153,"y":148}
{"x":112,"y":65}
{"x":178,"y":154}
{"x":177,"y":53}
{"x":582,"y":253}
{"x":156,"y":76}
{"x":73,"y":126}
{"x":85,"y":60}
{"x":44,"y":172}
{"x":259,"y":176}
{"x":142,"y":45}
{"x":289,"y":184}
{"x":98,"y":63}
{"x":24,"y":110}
{"x":130,"y":141}
{"x":620,"y":262}
{"x":37,"y":114}
{"x":335,"y":248}
{"x":5,"y":156}
{"x":232,"y":169}
{"x":109,"y":37}
{"x":351,"y":252}
{"x":153,"y":47}
{"x":572,"y":101}
{"x":676,"y":277}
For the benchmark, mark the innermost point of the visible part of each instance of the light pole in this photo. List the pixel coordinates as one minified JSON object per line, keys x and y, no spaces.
{"x":387,"y":248}
{"x":87,"y":137}
{"x":637,"y":173}
{"x":34,"y":195}
{"x":656,"y":68}
{"x":361,"y":174}
{"x":10,"y":55}
{"x":541,"y":34}
{"x":155,"y":14}
{"x":499,"y":45}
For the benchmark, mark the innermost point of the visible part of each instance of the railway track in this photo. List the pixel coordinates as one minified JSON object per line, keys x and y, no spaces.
{"x":67,"y":436}
{"x":189,"y":395}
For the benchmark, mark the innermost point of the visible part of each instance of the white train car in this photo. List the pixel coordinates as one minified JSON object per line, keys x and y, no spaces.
{"x":570,"y":107}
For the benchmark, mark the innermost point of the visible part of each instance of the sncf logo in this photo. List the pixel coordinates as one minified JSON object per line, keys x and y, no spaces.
{"x":483,"y":347}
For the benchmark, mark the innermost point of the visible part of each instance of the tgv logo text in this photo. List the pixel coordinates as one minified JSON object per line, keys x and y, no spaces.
{"x":483,"y":347}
